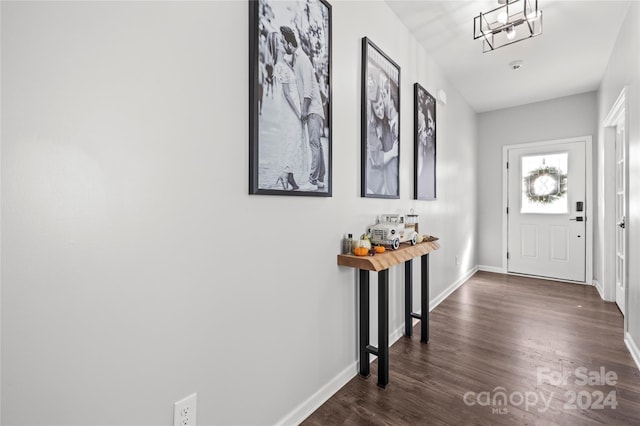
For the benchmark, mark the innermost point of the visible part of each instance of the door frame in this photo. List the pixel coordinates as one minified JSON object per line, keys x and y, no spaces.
{"x":616,"y":115}
{"x":589,"y":199}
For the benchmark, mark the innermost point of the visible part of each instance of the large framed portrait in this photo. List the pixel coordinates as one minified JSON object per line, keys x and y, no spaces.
{"x":424,"y":126}
{"x":380,"y":126}
{"x":290,"y":97}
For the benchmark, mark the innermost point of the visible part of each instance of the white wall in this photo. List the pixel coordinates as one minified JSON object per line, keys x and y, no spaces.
{"x":623,"y":70}
{"x":136,"y":269}
{"x":560,"y":118}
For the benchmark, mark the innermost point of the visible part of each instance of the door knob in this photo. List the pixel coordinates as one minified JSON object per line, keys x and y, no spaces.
{"x":622,"y":224}
{"x":578,"y":219}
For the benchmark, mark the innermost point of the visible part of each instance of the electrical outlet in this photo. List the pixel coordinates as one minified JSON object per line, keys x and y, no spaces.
{"x":457,"y":260}
{"x":184,"y":411}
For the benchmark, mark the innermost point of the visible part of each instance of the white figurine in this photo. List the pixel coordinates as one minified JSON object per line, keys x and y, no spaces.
{"x":390,"y":230}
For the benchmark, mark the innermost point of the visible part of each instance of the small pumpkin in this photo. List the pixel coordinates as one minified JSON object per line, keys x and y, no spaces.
{"x":379,"y":249}
{"x":360,"y":251}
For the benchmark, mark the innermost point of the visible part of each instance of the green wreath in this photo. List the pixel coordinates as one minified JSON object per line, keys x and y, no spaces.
{"x":545,"y":184}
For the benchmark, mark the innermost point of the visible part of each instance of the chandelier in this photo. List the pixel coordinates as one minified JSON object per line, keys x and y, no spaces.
{"x":511,"y":22}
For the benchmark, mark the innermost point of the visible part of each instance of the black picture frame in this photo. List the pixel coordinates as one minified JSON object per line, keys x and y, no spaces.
{"x":285,"y":159}
{"x":380,"y":132}
{"x":424,"y":127}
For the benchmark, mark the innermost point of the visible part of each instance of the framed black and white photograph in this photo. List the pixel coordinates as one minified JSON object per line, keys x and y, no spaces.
{"x":290,"y":97}
{"x":380,"y":127}
{"x":425,"y":144}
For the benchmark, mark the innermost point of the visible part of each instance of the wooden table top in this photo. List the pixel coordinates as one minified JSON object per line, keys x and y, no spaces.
{"x":389,"y":258}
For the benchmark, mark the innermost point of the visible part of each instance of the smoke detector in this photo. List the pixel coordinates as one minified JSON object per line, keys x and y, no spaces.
{"x":516,"y":65}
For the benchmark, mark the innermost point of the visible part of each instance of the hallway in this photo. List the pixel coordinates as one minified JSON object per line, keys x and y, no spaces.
{"x":555,"y":350}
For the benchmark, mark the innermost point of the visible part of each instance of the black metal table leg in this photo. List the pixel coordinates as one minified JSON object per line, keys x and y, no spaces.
{"x":408,"y":298}
{"x":383,"y":328}
{"x":424,"y":290}
{"x":364,"y":322}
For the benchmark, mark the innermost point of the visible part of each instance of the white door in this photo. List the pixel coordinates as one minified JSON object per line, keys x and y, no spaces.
{"x":620,"y":215}
{"x":546,"y":211}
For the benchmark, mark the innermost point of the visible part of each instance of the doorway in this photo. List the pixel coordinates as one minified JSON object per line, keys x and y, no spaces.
{"x":546,"y":227}
{"x":615,"y":241}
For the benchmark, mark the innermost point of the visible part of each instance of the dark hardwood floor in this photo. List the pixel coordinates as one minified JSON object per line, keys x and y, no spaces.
{"x":503,"y":333}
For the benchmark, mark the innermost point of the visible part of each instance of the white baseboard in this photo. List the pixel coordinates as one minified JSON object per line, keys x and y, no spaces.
{"x":311,"y":404}
{"x":486,"y":268}
{"x":398,"y":333}
{"x":634,"y":350}
{"x":598,"y":287}
{"x":453,"y":287}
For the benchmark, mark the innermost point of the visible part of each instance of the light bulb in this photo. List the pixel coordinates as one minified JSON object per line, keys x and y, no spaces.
{"x":503,"y":17}
{"x":511,"y":33}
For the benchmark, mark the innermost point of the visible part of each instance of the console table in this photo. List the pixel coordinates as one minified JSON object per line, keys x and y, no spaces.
{"x":381,"y":263}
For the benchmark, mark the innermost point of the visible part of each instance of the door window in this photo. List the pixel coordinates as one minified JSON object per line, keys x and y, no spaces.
{"x":544,"y":184}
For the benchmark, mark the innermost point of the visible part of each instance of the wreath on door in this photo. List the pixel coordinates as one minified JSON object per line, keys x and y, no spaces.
{"x":545,"y":185}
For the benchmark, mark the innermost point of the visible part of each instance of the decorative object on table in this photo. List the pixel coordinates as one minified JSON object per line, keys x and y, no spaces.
{"x":364,"y":241}
{"x":424,"y":137}
{"x":380,"y":126}
{"x":290,"y":129}
{"x":390,"y":230}
{"x":511,"y":22}
{"x":361,"y":251}
{"x":429,"y":238}
{"x":347,"y":244}
{"x":412,"y":221}
{"x":379,"y":249}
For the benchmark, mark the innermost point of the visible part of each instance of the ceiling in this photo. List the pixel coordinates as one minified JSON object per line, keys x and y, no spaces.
{"x":569,"y":57}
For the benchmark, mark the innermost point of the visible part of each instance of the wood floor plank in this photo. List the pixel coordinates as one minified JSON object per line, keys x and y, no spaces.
{"x":501,"y":333}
